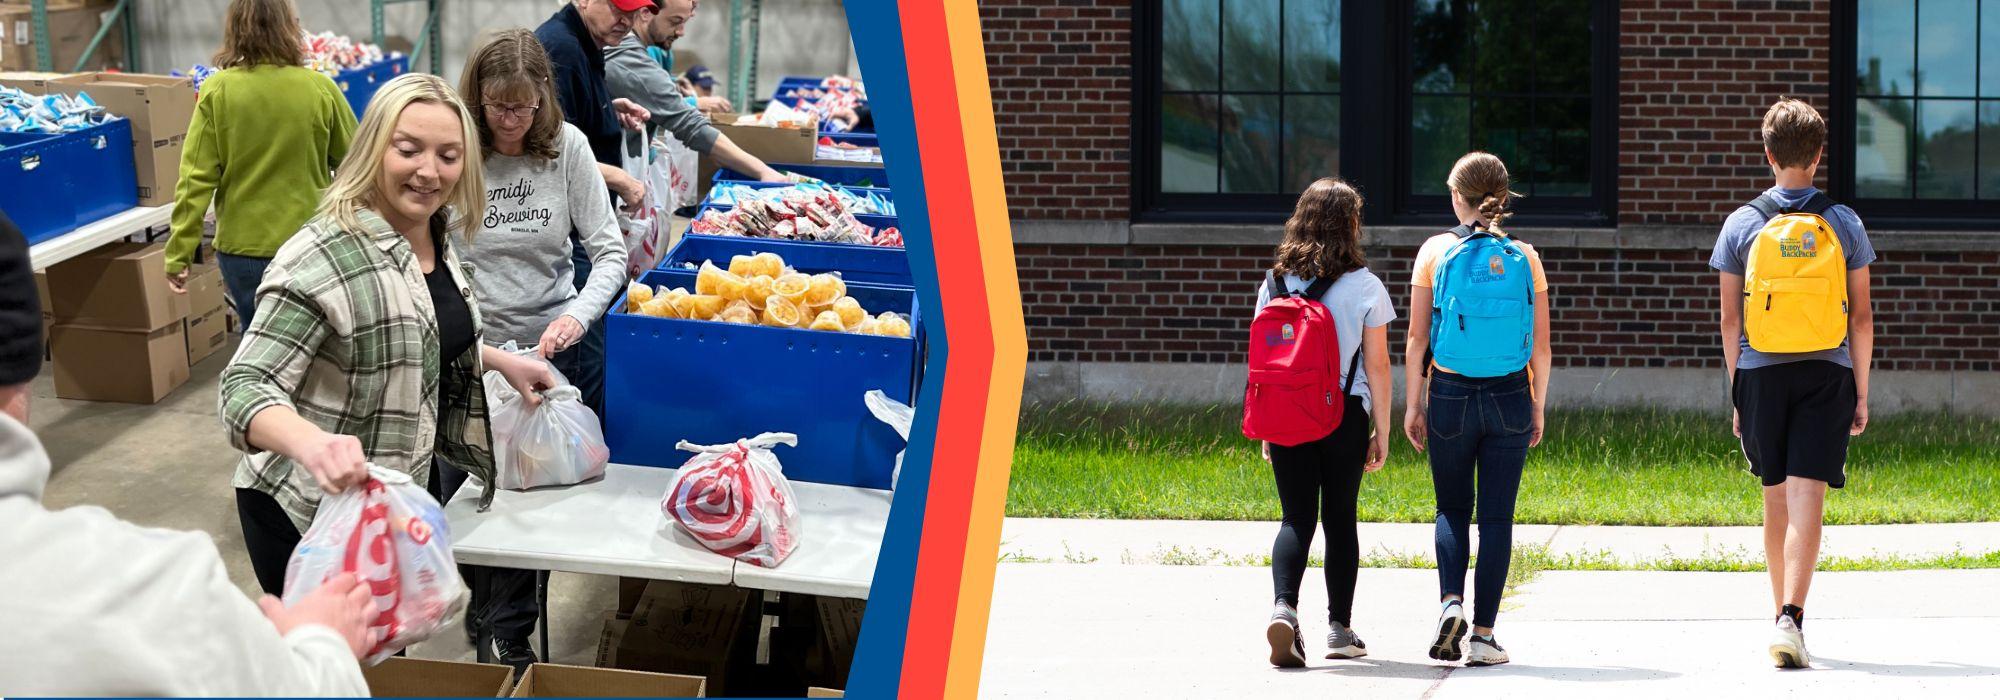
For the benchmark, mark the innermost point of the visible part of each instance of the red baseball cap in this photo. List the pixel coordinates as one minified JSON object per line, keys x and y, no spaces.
{"x":634,"y":5}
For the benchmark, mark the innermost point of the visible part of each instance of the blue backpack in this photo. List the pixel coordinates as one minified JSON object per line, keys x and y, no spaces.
{"x":1483,"y":306}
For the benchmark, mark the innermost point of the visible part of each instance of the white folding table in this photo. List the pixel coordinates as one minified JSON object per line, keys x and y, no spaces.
{"x":95,"y":234}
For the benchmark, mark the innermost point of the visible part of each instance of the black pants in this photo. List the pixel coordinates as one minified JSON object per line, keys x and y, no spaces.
{"x":269,"y":535}
{"x":501,"y":598}
{"x":1316,"y":480}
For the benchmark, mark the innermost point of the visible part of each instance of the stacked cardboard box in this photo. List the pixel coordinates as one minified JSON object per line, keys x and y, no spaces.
{"x":559,"y":681}
{"x":208,"y":316}
{"x":680,"y":628}
{"x":118,"y":333}
{"x":400,"y":677}
{"x":72,"y":24}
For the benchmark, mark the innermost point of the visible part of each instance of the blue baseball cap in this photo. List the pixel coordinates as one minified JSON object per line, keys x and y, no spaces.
{"x":701,"y":77}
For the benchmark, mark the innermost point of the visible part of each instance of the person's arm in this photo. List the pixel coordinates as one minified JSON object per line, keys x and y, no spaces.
{"x":1417,"y":342}
{"x":1539,"y":365}
{"x":266,"y":649}
{"x":727,"y":153}
{"x":635,"y":77}
{"x":1861,"y":342}
{"x":258,"y":385}
{"x":341,"y":133}
{"x":1732,"y":333}
{"x":200,"y":176}
{"x":591,"y":214}
{"x":629,"y":189}
{"x":1375,"y":357}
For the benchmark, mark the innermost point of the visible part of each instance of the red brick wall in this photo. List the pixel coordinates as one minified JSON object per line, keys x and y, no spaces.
{"x":1061,"y":72}
{"x":1613,"y":308}
{"x":1694,"y":79}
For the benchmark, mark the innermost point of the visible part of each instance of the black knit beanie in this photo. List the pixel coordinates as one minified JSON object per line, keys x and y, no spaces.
{"x":20,"y":309}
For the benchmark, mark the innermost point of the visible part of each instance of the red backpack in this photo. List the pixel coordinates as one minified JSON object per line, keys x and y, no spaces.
{"x":1290,"y":398}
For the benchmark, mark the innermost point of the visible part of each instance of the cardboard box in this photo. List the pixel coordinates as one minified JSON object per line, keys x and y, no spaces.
{"x":121,"y":285}
{"x":42,"y":292}
{"x":684,"y":628}
{"x":840,"y":628}
{"x":114,"y":364}
{"x":160,"y":108}
{"x":825,"y":693}
{"x":207,"y":334}
{"x":769,"y":144}
{"x":629,"y":591}
{"x":71,"y":27}
{"x":559,"y":681}
{"x":402,"y":677}
{"x":205,"y":292}
{"x":31,"y":82}
{"x":610,"y":638}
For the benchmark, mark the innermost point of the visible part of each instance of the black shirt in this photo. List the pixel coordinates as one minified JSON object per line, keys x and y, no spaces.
{"x":453,"y":316}
{"x":580,"y":86}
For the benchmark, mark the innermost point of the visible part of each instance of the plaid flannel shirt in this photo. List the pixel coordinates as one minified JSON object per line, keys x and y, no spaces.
{"x":346,"y":336}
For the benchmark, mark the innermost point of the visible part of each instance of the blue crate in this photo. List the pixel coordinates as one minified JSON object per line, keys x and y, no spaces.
{"x":35,"y":186}
{"x":855,"y":263}
{"x":668,"y":380}
{"x":106,"y":181}
{"x":858,"y":138}
{"x":360,"y":84}
{"x":874,"y":221}
{"x":884,"y":193}
{"x":861,"y":175}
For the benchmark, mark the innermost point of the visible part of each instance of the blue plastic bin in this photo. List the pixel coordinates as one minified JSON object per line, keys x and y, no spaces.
{"x":707,"y":382}
{"x":708,"y":200}
{"x":855,"y":263}
{"x":861,"y":175}
{"x":35,"y":184}
{"x":360,"y":84}
{"x":104,"y":177}
{"x":858,"y":138}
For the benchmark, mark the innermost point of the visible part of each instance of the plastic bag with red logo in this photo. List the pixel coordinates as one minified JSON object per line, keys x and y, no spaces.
{"x":734,"y":499}
{"x":391,"y":535}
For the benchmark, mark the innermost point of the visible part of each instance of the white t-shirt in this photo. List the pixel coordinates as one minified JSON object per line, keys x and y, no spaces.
{"x":1358,"y":299}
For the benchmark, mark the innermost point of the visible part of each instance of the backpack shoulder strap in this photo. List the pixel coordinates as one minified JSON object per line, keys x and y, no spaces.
{"x":1353,"y":368}
{"x":1816,"y":205}
{"x":1319,"y":286}
{"x":1463,"y":231}
{"x":1766,"y":205}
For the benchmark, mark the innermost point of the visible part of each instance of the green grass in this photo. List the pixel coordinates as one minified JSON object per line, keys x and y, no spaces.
{"x":1604,"y":467}
{"x":1531,"y":560}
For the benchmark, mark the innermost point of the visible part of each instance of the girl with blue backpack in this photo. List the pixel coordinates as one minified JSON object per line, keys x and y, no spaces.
{"x":1321,"y":319}
{"x":1479,"y":331}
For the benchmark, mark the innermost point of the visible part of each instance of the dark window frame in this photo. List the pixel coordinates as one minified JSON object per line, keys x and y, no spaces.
{"x":1375,"y":142}
{"x":1885,"y":213}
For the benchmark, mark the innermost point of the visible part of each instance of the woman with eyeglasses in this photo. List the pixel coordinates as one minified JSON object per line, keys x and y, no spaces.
{"x":541,"y":182}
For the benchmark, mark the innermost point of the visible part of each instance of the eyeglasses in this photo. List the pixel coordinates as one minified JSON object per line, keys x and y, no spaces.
{"x":521,"y":112}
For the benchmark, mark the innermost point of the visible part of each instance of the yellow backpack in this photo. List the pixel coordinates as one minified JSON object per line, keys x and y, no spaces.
{"x":1795,"y":286}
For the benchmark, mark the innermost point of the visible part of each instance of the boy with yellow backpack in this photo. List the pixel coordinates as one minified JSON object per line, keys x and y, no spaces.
{"x":1797,"y":336}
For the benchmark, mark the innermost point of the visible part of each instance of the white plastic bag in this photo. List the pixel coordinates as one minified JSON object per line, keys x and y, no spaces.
{"x":734,"y":499}
{"x":898,"y":416}
{"x":554,"y":443}
{"x":392,"y":535}
{"x":645,"y":230}
{"x":681,"y":171}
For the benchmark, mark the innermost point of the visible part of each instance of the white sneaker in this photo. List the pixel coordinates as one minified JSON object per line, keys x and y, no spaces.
{"x":1788,"y":645}
{"x":1451,"y":631}
{"x":1485,"y":651}
{"x":1343,"y":643}
{"x":1288,"y":649}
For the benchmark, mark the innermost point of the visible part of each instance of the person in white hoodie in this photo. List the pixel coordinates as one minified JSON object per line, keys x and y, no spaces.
{"x":93,"y":605}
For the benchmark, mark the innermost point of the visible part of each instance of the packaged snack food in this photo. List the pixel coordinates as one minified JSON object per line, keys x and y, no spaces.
{"x":734,"y":499}
{"x":636,"y":295}
{"x":828,"y":321}
{"x":760,"y":289}
{"x":558,"y":441}
{"x":781,"y":312}
{"x":393,"y":536}
{"x":738,"y":311}
{"x":850,"y":312}
{"x":740,"y":265}
{"x":700,"y":307}
{"x":793,"y":286}
{"x":824,"y":288}
{"x":662,"y":307}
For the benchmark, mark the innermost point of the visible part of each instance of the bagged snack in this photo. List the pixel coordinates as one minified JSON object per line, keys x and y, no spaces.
{"x":734,"y":499}
{"x":850,"y":312}
{"x":554,"y":443}
{"x":781,"y":312}
{"x":636,"y":295}
{"x":393,"y":536}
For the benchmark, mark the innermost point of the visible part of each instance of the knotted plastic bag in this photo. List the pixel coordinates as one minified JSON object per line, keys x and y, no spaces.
{"x":554,"y":443}
{"x":392,"y":536}
{"x":734,"y":499}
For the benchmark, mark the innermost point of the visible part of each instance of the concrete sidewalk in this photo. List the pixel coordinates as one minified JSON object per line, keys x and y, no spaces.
{"x":1083,"y":630}
{"x":1182,"y":541}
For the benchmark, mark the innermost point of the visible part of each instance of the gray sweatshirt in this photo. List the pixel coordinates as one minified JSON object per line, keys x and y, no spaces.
{"x":634,"y":76}
{"x":521,"y":259}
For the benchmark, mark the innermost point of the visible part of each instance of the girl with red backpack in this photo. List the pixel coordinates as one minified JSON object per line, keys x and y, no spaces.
{"x":1321,"y":319}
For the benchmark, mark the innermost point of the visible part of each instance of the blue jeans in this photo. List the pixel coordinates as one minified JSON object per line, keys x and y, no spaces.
{"x":240,"y":277}
{"x":588,"y":374}
{"x":1479,"y":432}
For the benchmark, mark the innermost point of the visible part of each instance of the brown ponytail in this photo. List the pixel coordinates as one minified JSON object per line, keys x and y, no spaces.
{"x":1480,"y":179}
{"x":1323,"y":237}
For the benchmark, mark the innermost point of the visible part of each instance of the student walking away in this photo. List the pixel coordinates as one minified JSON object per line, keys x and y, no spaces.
{"x":633,"y":74}
{"x":366,"y":344}
{"x":1479,"y":332}
{"x":541,"y":183}
{"x":97,"y":606}
{"x":266,"y":136}
{"x":1798,"y":334}
{"x":1322,"y":420}
{"x":575,"y":38}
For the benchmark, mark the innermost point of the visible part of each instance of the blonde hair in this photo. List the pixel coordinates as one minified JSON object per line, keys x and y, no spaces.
{"x":354,"y":183}
{"x":261,"y":32}
{"x":1481,"y":180}
{"x":511,"y":63}
{"x":1794,"y":133}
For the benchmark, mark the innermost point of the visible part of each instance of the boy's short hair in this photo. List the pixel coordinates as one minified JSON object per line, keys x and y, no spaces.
{"x":1794,"y":133}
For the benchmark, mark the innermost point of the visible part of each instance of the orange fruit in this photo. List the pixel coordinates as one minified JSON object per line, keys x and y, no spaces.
{"x":828,"y":321}
{"x":760,"y":289}
{"x":792,"y":286}
{"x":635,"y":295}
{"x":825,"y":288}
{"x":850,"y":312}
{"x":781,"y":312}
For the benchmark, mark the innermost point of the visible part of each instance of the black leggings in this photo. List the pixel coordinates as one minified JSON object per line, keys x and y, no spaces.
{"x":1324,"y":472}
{"x":269,"y":535}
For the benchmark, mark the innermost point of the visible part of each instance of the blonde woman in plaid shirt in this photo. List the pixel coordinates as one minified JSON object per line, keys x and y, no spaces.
{"x":365,"y":347}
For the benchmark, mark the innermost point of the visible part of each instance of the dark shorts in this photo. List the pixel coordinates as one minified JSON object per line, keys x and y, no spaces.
{"x":1795,"y":418}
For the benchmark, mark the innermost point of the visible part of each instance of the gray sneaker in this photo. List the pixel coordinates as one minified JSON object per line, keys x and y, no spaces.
{"x":1288,"y":648}
{"x":1343,"y":643}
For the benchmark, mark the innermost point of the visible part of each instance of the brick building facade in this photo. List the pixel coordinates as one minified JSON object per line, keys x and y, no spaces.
{"x":1126,"y":301}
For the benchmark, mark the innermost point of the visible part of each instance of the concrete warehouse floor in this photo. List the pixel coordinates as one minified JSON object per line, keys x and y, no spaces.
{"x":168,"y":465}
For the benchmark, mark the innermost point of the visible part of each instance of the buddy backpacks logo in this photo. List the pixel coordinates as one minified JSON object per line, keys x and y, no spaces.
{"x":1794,"y":279}
{"x":1287,"y":332}
{"x":1806,"y":246}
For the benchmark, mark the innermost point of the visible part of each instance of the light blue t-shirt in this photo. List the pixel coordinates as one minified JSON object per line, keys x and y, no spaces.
{"x":1732,"y":253}
{"x":1355,"y":300}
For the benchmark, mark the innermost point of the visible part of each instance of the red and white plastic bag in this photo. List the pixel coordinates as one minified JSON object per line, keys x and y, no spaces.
{"x":734,"y":499}
{"x":392,"y":536}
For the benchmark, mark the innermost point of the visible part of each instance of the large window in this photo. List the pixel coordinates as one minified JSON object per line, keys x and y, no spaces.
{"x":1919,"y":116}
{"x":1242,"y":103}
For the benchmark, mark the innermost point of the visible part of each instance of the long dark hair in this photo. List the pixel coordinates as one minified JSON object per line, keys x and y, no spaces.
{"x":1323,"y":237}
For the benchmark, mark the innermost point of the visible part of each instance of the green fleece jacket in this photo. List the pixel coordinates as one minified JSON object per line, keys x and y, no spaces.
{"x":262,"y":148}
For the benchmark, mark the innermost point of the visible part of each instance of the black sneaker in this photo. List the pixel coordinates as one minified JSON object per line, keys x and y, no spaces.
{"x":471,"y":629}
{"x":514,"y":652}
